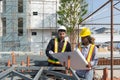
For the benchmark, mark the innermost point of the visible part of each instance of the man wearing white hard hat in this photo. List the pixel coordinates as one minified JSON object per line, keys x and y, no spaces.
{"x":58,"y":44}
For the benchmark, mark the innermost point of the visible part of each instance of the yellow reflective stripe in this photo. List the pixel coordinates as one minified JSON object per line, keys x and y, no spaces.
{"x":57,"y":62}
{"x":90,"y":53}
{"x":64,"y":46}
{"x":56,"y":46}
{"x":56,"y":51}
{"x":53,"y":62}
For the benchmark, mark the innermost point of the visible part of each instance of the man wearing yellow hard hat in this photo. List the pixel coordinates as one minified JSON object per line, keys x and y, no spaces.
{"x":89,"y":50}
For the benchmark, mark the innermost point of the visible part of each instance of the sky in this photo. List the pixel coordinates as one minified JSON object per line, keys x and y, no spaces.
{"x":103,"y":15}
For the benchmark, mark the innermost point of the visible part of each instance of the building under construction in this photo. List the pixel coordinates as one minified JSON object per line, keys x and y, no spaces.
{"x":26,"y":26}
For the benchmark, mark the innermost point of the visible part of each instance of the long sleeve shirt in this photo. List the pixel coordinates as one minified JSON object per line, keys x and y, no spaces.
{"x":51,"y":46}
{"x":88,"y":74}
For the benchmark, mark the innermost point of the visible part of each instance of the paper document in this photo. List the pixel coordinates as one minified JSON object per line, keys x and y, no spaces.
{"x":78,"y":62}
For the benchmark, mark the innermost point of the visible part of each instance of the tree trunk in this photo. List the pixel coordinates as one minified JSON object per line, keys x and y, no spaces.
{"x":73,"y":39}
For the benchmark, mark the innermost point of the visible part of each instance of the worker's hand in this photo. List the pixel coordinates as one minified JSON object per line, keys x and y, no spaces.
{"x":51,"y":52}
{"x":89,"y":65}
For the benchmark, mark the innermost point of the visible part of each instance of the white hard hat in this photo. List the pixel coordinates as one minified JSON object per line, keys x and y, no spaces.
{"x":62,"y":28}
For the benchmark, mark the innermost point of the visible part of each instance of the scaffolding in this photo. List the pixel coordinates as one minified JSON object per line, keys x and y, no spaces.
{"x":19,"y":26}
{"x":14,"y":20}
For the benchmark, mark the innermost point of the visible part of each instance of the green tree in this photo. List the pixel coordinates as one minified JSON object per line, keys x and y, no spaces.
{"x":70,"y":14}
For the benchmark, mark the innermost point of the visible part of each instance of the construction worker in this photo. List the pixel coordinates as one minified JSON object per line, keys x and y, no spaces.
{"x":58,"y":44}
{"x":89,"y":50}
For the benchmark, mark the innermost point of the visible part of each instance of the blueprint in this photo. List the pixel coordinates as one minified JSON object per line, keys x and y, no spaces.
{"x":78,"y":62}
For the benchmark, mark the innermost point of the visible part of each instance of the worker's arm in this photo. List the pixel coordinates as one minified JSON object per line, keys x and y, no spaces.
{"x":49,"y":48}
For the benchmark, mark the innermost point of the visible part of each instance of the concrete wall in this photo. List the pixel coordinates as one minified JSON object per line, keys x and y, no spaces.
{"x":39,"y":42}
{"x":44,"y":23}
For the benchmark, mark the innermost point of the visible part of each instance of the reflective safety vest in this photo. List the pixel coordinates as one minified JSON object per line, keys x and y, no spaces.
{"x":56,"y":50}
{"x":90,"y":52}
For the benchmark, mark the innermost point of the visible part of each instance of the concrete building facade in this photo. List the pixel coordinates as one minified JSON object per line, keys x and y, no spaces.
{"x":27,"y":25}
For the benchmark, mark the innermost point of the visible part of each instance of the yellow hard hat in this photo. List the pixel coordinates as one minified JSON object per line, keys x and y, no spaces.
{"x":85,"y":32}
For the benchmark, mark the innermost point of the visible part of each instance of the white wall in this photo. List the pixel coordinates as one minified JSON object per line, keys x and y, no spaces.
{"x":44,"y":23}
{"x":40,"y":41}
{"x":46,"y":14}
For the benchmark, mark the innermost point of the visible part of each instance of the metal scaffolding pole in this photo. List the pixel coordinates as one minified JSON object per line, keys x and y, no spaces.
{"x":5,"y":73}
{"x":111,"y":39}
{"x":38,"y":74}
{"x":21,"y":75}
{"x":100,"y":24}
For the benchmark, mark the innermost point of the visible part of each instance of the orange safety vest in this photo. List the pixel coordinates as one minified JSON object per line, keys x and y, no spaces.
{"x":90,"y":52}
{"x":56,"y":50}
